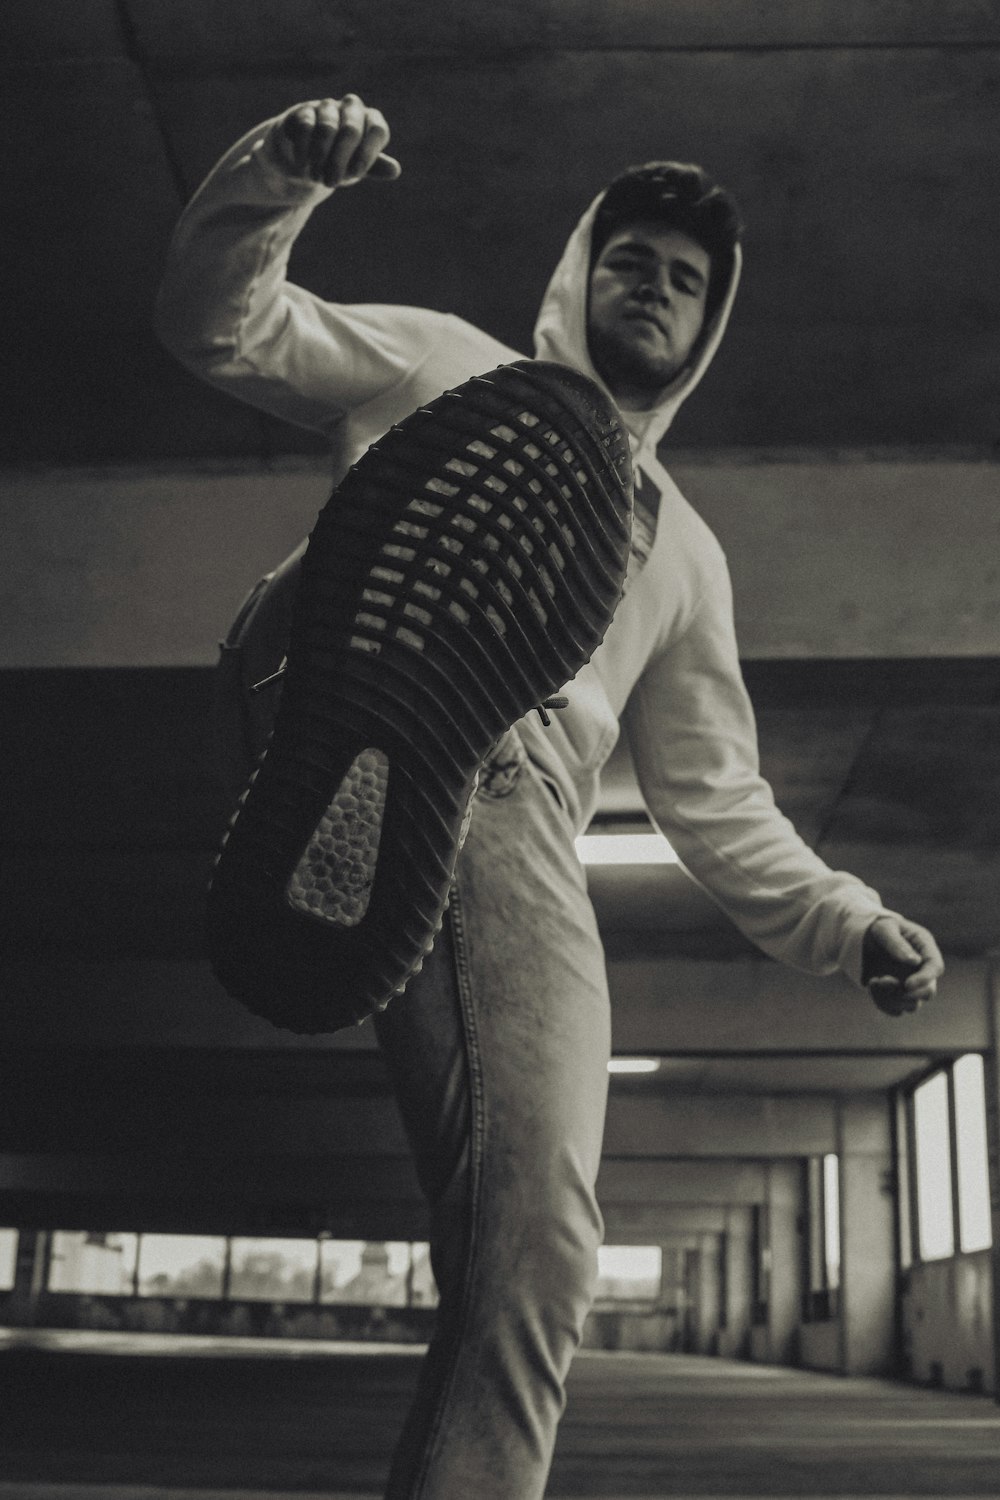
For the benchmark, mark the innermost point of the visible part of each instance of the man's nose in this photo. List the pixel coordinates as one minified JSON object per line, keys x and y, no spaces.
{"x":656,"y":284}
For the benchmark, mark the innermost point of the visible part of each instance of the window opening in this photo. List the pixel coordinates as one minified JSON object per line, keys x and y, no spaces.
{"x":629,"y":1274}
{"x":271,"y":1270}
{"x":93,"y":1262}
{"x":8,"y":1258}
{"x":831,"y":1220}
{"x":374,"y":1273}
{"x":932,"y":1141}
{"x":974,"y":1226}
{"x":822,"y":1232}
{"x":181,"y":1265}
{"x":377,"y":1273}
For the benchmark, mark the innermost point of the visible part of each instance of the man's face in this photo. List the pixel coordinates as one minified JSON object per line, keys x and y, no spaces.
{"x":647,"y":306}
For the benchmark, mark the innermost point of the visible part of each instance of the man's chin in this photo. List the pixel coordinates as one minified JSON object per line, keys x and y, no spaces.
{"x":643,"y":351}
{"x":646,"y":380}
{"x":629,"y":364}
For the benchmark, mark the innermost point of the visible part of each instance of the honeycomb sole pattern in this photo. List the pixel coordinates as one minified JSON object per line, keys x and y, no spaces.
{"x":333,"y":880}
{"x":462,"y":572}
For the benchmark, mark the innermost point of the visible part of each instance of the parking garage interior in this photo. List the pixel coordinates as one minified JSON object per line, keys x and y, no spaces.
{"x":213,"y":1248}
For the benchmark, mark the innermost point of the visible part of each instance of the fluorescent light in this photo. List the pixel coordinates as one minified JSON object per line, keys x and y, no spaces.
{"x":624,"y":849}
{"x":634,"y":1065}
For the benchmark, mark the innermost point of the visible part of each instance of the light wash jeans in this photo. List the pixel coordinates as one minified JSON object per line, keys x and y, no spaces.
{"x":498,"y":1056}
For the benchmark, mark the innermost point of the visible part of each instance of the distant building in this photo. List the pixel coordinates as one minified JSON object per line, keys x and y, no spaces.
{"x":93,"y":1263}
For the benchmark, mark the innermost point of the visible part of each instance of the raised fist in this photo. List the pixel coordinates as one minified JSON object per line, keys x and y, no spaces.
{"x":335,"y":141}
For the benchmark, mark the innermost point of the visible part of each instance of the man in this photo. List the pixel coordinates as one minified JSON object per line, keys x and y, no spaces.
{"x":498,"y":1050}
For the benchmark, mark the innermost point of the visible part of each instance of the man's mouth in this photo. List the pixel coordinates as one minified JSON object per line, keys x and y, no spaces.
{"x":643,"y":315}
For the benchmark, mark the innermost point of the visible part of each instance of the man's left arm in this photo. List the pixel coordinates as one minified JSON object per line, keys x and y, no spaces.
{"x":694,"y":742}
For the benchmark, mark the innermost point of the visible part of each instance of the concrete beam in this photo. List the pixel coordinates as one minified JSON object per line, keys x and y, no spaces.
{"x":186,"y":34}
{"x":138,"y":1003}
{"x":689,"y":1184}
{"x":189,"y":36}
{"x":818,"y":569}
{"x":640,"y":1223}
{"x":249,"y":1180}
{"x":362,"y":1123}
{"x":668,"y":1006}
{"x":128,"y":568}
{"x":737,"y":1126}
{"x":700,"y":1007}
{"x":160,"y":1191}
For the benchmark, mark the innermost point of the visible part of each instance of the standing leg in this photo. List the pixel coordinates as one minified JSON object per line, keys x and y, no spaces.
{"x":498,"y":1054}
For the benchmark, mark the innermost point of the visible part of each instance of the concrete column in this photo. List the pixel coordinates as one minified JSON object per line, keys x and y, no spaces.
{"x":31,"y":1270}
{"x":672,"y":1289}
{"x":867,"y":1230}
{"x":690,"y":1324}
{"x":735,"y":1342}
{"x":709,"y":1293}
{"x":784,"y":1195}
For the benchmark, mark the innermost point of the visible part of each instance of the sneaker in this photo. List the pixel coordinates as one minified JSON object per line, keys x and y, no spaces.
{"x":462,"y":572}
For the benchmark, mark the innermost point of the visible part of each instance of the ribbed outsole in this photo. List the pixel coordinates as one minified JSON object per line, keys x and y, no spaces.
{"x":463,"y":571}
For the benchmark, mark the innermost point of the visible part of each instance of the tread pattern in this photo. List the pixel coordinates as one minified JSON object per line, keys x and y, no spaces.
{"x":462,"y":572}
{"x":332,"y":881}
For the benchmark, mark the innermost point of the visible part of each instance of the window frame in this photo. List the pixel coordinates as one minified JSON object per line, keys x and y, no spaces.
{"x":910,"y":1249}
{"x":139,"y":1293}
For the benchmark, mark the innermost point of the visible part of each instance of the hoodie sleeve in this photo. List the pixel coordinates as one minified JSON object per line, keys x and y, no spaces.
{"x":694,"y":743}
{"x":226,"y":310}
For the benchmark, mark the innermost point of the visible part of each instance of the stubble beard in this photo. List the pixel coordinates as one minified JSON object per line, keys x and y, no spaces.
{"x":629,"y":371}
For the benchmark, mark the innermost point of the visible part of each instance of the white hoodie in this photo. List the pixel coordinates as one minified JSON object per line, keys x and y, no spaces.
{"x":668,"y":669}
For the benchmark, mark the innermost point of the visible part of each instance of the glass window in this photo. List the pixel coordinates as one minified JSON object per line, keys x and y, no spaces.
{"x":375,"y":1273}
{"x":181,"y":1265}
{"x":974,"y":1228}
{"x":97,"y":1263}
{"x":831,"y":1220}
{"x":932,"y":1141}
{"x":629,"y":1273}
{"x":822,"y":1186}
{"x":8,"y":1258}
{"x":273,"y":1270}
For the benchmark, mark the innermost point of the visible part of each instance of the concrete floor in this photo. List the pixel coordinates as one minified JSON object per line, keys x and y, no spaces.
{"x":113,"y":1417}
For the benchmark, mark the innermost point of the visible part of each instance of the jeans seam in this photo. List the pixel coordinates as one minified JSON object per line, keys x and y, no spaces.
{"x":477,"y":1113}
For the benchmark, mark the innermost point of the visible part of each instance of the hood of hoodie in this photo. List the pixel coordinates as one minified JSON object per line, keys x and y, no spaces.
{"x":561,"y":334}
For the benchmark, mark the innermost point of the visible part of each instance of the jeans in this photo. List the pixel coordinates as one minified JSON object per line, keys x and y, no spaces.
{"x":498,"y":1057}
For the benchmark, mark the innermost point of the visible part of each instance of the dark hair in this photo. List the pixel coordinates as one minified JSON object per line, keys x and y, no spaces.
{"x":683,"y":197}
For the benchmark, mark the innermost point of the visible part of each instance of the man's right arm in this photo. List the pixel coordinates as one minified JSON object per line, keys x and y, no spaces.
{"x":225,"y":308}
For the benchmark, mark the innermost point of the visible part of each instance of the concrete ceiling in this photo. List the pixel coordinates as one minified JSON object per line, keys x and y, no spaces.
{"x":862,"y":141}
{"x":888,"y":769}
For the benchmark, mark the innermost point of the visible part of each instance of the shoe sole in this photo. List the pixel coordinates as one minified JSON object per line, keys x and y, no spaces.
{"x":463,"y":571}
